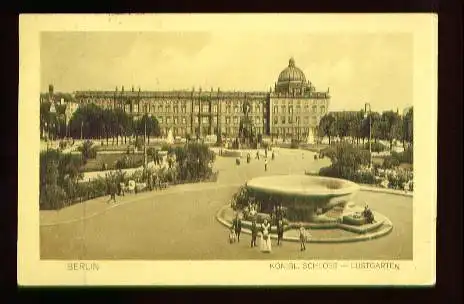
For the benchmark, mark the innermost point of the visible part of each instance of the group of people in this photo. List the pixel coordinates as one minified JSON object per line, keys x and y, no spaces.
{"x":264,"y":231}
{"x":258,"y":157}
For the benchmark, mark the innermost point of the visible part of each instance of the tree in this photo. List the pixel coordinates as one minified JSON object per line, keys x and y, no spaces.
{"x":408,"y":127}
{"x":44,"y":117}
{"x":390,"y":127}
{"x":342,"y":124}
{"x":374,"y":127}
{"x":194,"y":161}
{"x":151,"y":125}
{"x":327,"y":126}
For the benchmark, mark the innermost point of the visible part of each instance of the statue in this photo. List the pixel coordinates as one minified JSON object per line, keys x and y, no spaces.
{"x":170,"y":138}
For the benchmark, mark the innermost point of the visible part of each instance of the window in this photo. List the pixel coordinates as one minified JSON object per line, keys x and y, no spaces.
{"x":257,"y":108}
{"x":298,"y":109}
{"x":175,"y":109}
{"x":168,"y":108}
{"x":235,"y":120}
{"x":290,"y":109}
{"x":127,"y":108}
{"x":290,"y":119}
{"x":314,"y":109}
{"x":136,"y":108}
{"x":306,"y":120}
{"x":160,"y":108}
{"x":204,"y":120}
{"x":197,"y":120}
{"x":160,"y":120}
{"x":282,"y":119}
{"x":258,"y":120}
{"x":183,"y":120}
{"x":168,"y":120}
{"x":283,"y":109}
{"x":227,"y":120}
{"x":276,"y":121}
{"x":215,"y":107}
{"x":205,"y":109}
{"x":322,"y":110}
{"x":306,"y":108}
{"x":228,"y":109}
{"x":215,"y":119}
{"x":236,"y":109}
{"x":175,"y":120}
{"x":276,"y":109}
{"x":183,"y":109}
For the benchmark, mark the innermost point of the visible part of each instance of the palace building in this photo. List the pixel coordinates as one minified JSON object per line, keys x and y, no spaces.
{"x":292,"y":109}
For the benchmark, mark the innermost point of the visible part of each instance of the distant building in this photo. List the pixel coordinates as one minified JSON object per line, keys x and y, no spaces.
{"x":293,"y":109}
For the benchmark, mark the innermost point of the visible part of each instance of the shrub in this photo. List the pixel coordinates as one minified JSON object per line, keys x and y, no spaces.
{"x":63,"y":145}
{"x":88,"y":151}
{"x":151,"y":152}
{"x":52,"y":197}
{"x":364,"y":177}
{"x":328,"y":171}
{"x":396,"y":181}
{"x":242,"y":197}
{"x":194,"y":161}
{"x":165,"y":147}
{"x":376,"y":147}
{"x":346,"y":160}
{"x":390,"y":162}
{"x":294,"y":144}
{"x":404,"y":157}
{"x":139,"y":143}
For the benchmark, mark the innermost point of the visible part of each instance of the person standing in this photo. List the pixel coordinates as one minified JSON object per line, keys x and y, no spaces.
{"x":302,"y":238}
{"x":112,"y":193}
{"x":265,"y":164}
{"x":280,"y":232}
{"x":237,"y":224}
{"x":266,"y":237}
{"x":254,"y":233}
{"x":273,"y":155}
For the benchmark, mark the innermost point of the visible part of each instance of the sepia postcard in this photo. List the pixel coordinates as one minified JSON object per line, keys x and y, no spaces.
{"x":227,"y":149}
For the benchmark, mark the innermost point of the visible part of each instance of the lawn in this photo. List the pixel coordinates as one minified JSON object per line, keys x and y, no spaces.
{"x":110,"y":159}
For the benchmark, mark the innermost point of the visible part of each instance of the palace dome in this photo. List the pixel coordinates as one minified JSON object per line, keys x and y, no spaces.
{"x":292,"y":73}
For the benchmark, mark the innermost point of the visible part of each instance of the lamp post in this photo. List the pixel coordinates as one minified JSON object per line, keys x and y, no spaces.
{"x":145,"y":142}
{"x":366,"y":106}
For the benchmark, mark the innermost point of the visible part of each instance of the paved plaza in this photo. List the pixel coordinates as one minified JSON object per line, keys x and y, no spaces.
{"x":179,"y":223}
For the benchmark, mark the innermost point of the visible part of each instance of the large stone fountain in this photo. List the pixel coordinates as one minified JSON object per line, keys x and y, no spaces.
{"x":305,"y":198}
{"x":313,"y":202}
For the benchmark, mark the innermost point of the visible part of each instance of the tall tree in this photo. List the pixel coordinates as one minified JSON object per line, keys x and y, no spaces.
{"x":408,"y":127}
{"x":44,"y":118}
{"x":390,"y":126}
{"x":327,"y":126}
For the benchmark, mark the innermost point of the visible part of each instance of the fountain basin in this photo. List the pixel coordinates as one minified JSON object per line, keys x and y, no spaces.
{"x":306,"y":198}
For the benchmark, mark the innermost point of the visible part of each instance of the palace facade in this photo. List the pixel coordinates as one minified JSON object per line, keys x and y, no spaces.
{"x":291,"y":109}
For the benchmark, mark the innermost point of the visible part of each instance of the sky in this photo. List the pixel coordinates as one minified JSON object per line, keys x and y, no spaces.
{"x":358,"y":68}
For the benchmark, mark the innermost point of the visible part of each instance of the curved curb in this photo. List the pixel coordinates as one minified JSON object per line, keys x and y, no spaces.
{"x":387,"y":191}
{"x":364,"y":237}
{"x":135,"y":199}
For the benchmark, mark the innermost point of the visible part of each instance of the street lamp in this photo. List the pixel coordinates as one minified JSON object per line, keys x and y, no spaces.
{"x":368,"y":105}
{"x":145,"y":142}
